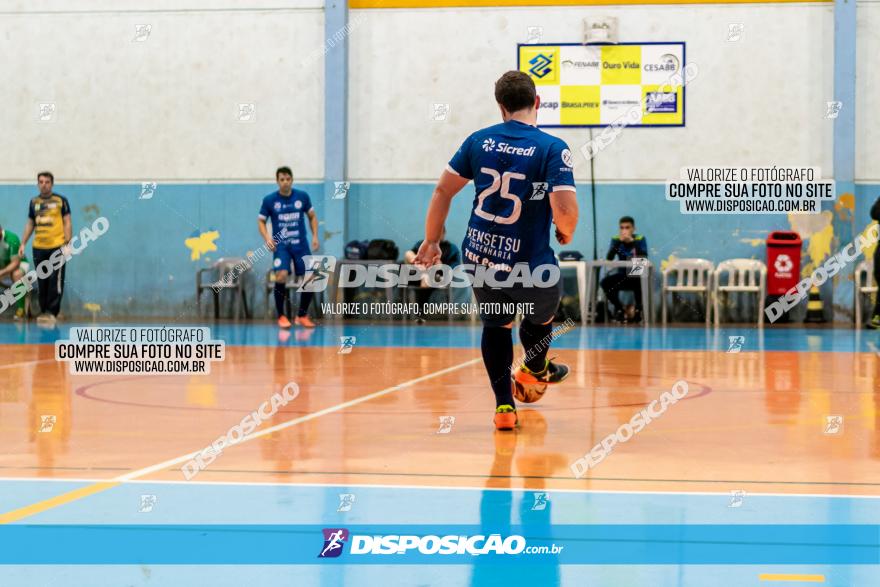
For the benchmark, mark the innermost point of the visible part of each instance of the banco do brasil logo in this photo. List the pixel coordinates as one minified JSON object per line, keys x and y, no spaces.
{"x":540,"y":65}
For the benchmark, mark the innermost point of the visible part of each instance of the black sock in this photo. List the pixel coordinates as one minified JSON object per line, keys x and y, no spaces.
{"x":305,"y":298}
{"x":497,"y":346}
{"x":536,"y":342}
{"x":280,"y":292}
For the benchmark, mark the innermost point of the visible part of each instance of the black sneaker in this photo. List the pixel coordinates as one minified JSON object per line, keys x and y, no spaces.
{"x":552,"y":373}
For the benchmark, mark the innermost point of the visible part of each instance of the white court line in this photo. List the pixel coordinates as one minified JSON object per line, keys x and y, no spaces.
{"x":428,"y":487}
{"x":182,"y":459}
{"x":26,"y":363}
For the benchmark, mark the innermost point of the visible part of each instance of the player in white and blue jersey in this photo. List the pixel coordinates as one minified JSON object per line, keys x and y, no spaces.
{"x":524,"y":182}
{"x":287,"y":210}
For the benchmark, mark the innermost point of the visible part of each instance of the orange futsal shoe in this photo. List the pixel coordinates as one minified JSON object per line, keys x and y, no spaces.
{"x":505,"y":417}
{"x":304,"y":321}
{"x":283,"y":322}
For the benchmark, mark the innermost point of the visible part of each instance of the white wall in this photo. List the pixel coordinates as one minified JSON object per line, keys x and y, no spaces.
{"x":868,"y":93}
{"x":759,"y":101}
{"x":165,"y":108}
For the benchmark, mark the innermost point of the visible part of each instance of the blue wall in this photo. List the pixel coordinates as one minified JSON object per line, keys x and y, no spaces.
{"x":141,"y":266}
{"x":397,"y":211}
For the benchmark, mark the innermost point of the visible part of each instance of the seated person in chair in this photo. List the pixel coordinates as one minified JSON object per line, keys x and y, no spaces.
{"x":449,"y":255}
{"x":12,"y":267}
{"x":626,"y":246}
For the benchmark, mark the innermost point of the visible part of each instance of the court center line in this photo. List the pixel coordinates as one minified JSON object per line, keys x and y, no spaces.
{"x":42,"y":506}
{"x":433,"y":487}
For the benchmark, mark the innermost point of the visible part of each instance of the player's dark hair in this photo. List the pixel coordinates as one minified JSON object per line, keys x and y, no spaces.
{"x":515,"y":91}
{"x":284,"y":169}
{"x":627,"y":219}
{"x":46,"y":174}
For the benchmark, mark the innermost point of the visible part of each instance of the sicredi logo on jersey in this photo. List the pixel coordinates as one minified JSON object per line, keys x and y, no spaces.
{"x":490,"y":145}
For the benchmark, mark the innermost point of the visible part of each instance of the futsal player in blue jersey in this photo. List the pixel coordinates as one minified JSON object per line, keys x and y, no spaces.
{"x":523,"y":181}
{"x":287,"y":210}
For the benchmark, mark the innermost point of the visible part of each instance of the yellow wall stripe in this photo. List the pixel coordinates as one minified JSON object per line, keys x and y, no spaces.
{"x":782,"y":577}
{"x":496,"y":3}
{"x":52,"y":502}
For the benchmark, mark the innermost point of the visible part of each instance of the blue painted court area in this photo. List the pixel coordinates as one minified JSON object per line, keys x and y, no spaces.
{"x":392,"y":335}
{"x":182,"y":533}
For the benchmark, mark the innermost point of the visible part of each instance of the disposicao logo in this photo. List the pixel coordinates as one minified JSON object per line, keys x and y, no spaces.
{"x":334,"y":539}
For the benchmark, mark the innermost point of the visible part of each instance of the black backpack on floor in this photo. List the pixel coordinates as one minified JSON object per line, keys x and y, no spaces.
{"x":380,"y":248}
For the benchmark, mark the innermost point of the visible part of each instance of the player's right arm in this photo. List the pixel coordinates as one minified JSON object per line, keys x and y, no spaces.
{"x":450,"y":183}
{"x":612,"y":251}
{"x":456,"y":175}
{"x":265,"y":212}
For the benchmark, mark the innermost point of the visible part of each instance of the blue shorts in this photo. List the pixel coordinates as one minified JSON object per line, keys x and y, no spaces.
{"x":285,"y":253}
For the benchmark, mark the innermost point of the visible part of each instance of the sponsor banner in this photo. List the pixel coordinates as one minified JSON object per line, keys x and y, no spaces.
{"x":611,"y":544}
{"x":596,"y":85}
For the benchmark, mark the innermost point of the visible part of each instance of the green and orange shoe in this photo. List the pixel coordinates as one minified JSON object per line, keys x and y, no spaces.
{"x":505,"y":417}
{"x":874,"y":324}
{"x":552,"y":373}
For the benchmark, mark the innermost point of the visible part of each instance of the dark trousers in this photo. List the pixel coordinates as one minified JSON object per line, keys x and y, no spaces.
{"x":51,"y":288}
{"x":613,"y":283}
{"x":877,"y":282}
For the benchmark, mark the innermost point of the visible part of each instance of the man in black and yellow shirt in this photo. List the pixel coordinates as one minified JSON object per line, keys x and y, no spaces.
{"x":49,"y":222}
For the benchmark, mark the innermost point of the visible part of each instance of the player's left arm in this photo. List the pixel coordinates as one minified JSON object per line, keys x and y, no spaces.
{"x":65,"y":219}
{"x":565,"y":214}
{"x":563,"y":195}
{"x":313,"y":223}
{"x":313,"y":220}
{"x":642,"y":247}
{"x":449,"y":184}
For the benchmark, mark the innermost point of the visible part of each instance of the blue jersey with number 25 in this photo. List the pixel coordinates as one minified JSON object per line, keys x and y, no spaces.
{"x":515,"y":166}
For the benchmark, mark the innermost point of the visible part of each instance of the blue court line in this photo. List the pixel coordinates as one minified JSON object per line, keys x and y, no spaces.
{"x":235,"y":504}
{"x":395,"y":335}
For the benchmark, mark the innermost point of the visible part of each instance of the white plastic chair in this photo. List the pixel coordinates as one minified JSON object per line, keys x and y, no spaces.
{"x":743,"y":275}
{"x":859,"y":290}
{"x":224,"y":278}
{"x":691,"y":276}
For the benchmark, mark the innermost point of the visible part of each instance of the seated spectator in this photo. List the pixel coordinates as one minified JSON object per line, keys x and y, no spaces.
{"x":625,"y":247}
{"x":12,"y":266}
{"x":449,"y":255}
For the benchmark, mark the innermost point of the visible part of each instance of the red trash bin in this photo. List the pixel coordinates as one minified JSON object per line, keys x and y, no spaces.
{"x":783,"y":261}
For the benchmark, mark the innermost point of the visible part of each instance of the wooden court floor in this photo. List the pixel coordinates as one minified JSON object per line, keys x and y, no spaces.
{"x":753,"y":421}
